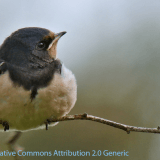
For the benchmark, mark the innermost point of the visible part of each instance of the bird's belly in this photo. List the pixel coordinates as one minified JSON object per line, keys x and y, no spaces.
{"x":17,"y":109}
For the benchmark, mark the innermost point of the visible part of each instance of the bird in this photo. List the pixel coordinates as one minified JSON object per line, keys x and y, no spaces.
{"x":34,"y":84}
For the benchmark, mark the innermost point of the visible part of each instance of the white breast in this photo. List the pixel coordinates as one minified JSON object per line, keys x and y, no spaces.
{"x":55,"y":100}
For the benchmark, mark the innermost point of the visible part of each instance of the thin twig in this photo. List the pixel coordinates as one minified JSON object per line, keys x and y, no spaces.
{"x":124,"y":127}
{"x":85,"y":116}
{"x":13,"y":147}
{"x":15,"y":138}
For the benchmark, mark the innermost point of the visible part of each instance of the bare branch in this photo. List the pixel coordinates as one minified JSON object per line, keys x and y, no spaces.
{"x":85,"y":116}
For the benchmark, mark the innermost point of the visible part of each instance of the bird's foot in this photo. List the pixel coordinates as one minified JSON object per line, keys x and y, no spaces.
{"x":5,"y":124}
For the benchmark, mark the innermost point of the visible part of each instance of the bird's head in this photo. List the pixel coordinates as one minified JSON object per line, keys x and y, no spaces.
{"x":32,"y":42}
{"x":30,"y":55}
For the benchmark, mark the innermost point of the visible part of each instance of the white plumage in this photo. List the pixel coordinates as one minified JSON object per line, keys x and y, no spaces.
{"x":56,"y":100}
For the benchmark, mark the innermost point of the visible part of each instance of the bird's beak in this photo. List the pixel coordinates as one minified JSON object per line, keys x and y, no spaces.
{"x":57,"y":37}
{"x":52,"y":49}
{"x":60,"y":34}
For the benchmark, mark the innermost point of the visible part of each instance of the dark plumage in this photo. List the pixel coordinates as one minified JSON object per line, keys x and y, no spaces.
{"x":28,"y":63}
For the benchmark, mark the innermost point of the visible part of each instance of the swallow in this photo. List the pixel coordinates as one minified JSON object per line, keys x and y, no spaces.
{"x":34,"y":84}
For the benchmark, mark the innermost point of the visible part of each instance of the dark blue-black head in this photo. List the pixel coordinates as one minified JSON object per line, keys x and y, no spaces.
{"x":29,"y":43}
{"x":30,"y":56}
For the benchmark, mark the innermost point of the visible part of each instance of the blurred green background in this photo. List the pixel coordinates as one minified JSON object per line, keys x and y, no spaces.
{"x":113,"y":48}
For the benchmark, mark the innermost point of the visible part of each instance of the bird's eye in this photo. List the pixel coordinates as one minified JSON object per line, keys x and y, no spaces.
{"x":41,"y":45}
